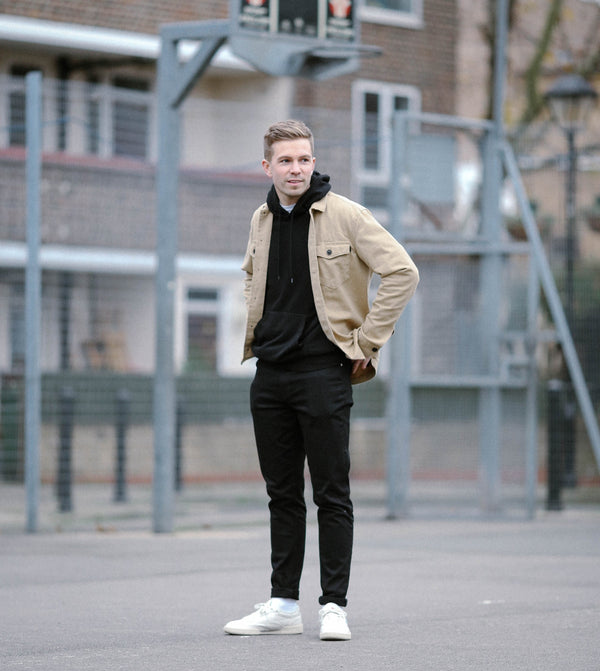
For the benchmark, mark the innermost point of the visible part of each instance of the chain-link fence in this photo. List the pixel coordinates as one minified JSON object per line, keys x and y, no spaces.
{"x":97,"y":316}
{"x":564,"y":193}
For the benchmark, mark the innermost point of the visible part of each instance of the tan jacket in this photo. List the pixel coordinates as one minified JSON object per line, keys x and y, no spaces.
{"x":346,"y":245}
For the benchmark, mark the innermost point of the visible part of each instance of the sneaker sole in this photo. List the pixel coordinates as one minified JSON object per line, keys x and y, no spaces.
{"x":297,"y":629}
{"x":324,"y":636}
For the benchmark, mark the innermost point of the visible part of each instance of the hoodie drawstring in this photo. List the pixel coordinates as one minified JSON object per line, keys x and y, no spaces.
{"x":291,"y":247}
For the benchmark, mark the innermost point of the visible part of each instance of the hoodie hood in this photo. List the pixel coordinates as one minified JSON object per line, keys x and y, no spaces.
{"x":319,"y":187}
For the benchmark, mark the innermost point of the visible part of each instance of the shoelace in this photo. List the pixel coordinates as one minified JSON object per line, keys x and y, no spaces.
{"x":264,"y":608}
{"x":333,"y":611}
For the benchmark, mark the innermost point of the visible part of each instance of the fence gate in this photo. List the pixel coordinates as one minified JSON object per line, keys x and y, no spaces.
{"x":464,"y":376}
{"x":464,"y":373}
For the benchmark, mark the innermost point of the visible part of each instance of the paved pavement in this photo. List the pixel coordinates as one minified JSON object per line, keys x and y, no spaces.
{"x":96,"y":590}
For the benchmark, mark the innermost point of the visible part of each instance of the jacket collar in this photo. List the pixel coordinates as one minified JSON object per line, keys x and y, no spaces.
{"x":319,"y":205}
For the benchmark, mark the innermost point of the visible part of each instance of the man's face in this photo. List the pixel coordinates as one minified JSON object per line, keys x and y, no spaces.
{"x":290,"y":168}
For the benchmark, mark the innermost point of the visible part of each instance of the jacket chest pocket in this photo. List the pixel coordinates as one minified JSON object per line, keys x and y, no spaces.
{"x":334,"y":263}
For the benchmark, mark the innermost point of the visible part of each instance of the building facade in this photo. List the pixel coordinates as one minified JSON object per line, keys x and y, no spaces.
{"x":100,"y":148}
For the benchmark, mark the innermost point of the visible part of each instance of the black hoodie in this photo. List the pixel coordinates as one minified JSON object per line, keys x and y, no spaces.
{"x":289,"y":332}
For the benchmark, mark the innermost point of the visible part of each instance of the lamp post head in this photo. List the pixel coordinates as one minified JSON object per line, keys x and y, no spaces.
{"x":570,"y":99}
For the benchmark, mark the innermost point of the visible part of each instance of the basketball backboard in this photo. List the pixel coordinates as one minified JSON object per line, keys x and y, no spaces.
{"x":310,"y":38}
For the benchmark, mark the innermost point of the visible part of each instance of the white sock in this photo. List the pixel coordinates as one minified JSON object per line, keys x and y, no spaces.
{"x":284,"y":605}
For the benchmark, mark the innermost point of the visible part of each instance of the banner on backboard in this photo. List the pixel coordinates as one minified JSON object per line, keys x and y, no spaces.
{"x":340,"y":20}
{"x":255,"y":15}
{"x":329,"y":20}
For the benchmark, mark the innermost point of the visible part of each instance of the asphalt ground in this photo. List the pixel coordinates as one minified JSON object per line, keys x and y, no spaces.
{"x":97,"y":590}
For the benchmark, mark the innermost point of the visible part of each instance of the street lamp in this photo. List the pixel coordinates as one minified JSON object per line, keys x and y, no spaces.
{"x":570,"y":99}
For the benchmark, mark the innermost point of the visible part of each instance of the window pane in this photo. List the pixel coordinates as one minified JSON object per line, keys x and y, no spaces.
{"x":371,"y":138}
{"x":130,"y":121}
{"x":17,"y":326}
{"x":17,"y":119}
{"x":198,"y":294}
{"x":395,"y":5}
{"x":17,"y":108}
{"x":93,"y":117}
{"x":400,"y":103}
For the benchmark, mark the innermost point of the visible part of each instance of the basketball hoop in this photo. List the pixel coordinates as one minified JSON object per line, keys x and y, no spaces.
{"x":306,"y":38}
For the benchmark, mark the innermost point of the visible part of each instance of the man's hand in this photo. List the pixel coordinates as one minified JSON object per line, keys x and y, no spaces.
{"x":358,"y":364}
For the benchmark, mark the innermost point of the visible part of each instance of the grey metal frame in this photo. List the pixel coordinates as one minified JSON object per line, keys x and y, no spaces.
{"x":491,"y":248}
{"x":33,"y":290}
{"x":174,"y":82}
{"x":555,"y":305}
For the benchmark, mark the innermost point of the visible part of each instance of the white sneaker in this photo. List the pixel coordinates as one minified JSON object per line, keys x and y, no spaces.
{"x":334,"y":623}
{"x":266,"y":619}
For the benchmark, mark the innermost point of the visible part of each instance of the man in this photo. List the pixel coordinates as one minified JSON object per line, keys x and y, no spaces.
{"x":309,"y":261}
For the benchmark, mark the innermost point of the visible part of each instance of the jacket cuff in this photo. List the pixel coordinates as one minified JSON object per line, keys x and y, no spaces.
{"x":368,"y":348}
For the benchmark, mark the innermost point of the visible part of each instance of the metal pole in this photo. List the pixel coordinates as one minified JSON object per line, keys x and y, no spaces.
{"x":164,"y":383}
{"x":500,"y":64}
{"x":556,"y":389}
{"x":568,"y":428}
{"x":180,"y":413}
{"x":64,"y":480}
{"x":122,"y":402}
{"x":174,"y":82}
{"x":399,"y":397}
{"x":33,"y":169}
{"x":531,"y":415}
{"x":490,"y":399}
{"x":570,"y":216}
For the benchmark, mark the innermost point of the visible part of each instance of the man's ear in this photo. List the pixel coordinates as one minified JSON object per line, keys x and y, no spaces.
{"x":267,"y":168}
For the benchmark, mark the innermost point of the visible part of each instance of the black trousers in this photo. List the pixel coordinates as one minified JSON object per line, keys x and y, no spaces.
{"x":298,"y":417}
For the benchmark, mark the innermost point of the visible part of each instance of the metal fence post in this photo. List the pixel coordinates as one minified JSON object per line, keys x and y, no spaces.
{"x":121,"y":423}
{"x":399,"y":405}
{"x":174,"y":81}
{"x":33,"y":295}
{"x":569,"y":432}
{"x":180,"y":418}
{"x":555,"y":446}
{"x":64,"y":479}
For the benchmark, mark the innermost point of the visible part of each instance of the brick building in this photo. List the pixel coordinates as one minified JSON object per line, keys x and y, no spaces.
{"x":98,"y":202}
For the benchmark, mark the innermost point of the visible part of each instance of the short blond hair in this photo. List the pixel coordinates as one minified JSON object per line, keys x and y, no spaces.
{"x":286,"y":130}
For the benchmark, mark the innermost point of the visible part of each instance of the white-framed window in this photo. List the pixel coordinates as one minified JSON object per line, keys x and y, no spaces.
{"x":118,"y":117}
{"x":17,"y":104}
{"x":404,"y":13}
{"x":106,"y":117}
{"x":210,"y":323}
{"x":373,"y":106}
{"x":201,"y":328}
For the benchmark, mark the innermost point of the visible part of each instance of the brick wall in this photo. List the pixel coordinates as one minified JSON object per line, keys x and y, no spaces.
{"x":99,"y":205}
{"x":143,"y":16}
{"x":424,"y":58}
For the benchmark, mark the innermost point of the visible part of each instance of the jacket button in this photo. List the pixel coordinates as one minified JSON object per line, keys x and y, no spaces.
{"x":329,"y":252}
{"x":373,"y":349}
